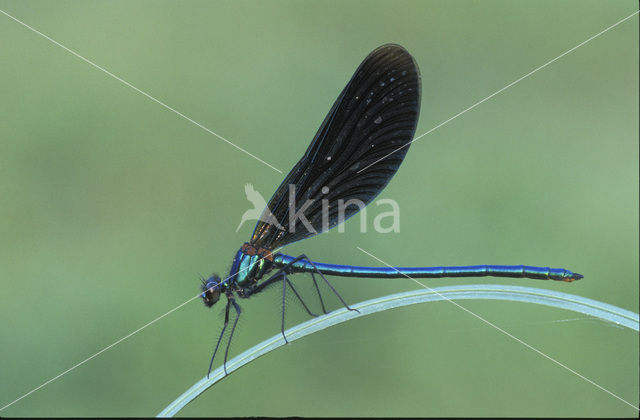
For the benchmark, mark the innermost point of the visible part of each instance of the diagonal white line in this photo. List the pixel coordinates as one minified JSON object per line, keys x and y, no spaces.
{"x":502,"y":331}
{"x":138,"y":90}
{"x":503,"y":89}
{"x":100,"y":352}
{"x":120,"y":340}
{"x":222,"y":138}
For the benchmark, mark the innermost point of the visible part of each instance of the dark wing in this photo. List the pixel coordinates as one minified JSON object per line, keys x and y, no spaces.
{"x":376,"y":114}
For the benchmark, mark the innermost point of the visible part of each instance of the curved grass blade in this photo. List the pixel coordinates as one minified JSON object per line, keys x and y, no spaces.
{"x":600,"y":310}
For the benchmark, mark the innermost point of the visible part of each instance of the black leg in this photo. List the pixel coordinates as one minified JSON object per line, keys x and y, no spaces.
{"x":285,"y":269}
{"x":235,"y":322}
{"x":313,"y":277}
{"x":285,"y":281}
{"x":304,"y":257}
{"x":299,"y":298}
{"x":275,"y":277}
{"x":226,"y":322}
{"x":282,"y":273}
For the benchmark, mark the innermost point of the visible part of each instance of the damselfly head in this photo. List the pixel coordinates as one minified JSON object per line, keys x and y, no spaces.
{"x":211,"y":290}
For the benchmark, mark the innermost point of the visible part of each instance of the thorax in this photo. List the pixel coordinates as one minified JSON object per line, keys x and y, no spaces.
{"x":249,"y":266}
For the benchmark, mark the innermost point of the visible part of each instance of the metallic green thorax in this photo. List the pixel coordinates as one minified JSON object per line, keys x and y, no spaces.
{"x":247,"y":269}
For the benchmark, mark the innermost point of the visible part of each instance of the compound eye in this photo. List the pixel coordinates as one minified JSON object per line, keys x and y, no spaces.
{"x":211,"y":291}
{"x":214,"y":296}
{"x":211,"y":296}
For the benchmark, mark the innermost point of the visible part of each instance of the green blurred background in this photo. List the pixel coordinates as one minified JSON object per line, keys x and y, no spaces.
{"x":112,"y":206}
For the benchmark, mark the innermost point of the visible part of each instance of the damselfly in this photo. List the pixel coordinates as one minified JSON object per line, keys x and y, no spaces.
{"x":353,"y":156}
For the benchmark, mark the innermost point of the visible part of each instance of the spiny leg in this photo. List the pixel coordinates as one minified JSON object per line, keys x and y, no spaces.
{"x":313,"y":277}
{"x":275,"y":277}
{"x":304,"y":257}
{"x":233,"y":328}
{"x":289,"y":265}
{"x":299,"y":298}
{"x":285,"y":281}
{"x":285,"y":269}
{"x":226,"y":322}
{"x":282,"y":273}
